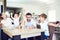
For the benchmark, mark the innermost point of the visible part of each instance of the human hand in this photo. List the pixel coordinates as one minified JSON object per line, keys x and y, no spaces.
{"x":30,"y":27}
{"x":57,"y":25}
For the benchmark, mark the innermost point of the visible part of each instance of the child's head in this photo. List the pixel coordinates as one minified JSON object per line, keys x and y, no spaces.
{"x":16,"y":15}
{"x":43,"y":17}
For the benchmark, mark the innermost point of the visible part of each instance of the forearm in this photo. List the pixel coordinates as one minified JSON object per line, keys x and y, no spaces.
{"x":54,"y":25}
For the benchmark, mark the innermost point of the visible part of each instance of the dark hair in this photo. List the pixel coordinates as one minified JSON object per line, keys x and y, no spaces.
{"x":43,"y":15}
{"x":28,"y":14}
{"x":15,"y":13}
{"x":57,"y":22}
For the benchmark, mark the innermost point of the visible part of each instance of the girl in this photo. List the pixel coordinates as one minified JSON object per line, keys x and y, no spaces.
{"x":15,"y":18}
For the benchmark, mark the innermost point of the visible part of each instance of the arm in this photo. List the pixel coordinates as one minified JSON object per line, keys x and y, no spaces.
{"x":52,"y":24}
{"x":11,"y":16}
{"x":34,"y":25}
{"x":23,"y":24}
{"x":1,"y":24}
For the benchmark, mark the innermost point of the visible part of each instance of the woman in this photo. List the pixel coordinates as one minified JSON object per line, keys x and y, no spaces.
{"x":6,"y":22}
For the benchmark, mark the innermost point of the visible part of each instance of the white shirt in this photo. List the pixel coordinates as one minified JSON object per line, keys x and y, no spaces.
{"x":16,"y":22}
{"x":31,"y":23}
{"x":7,"y":22}
{"x":45,"y":26}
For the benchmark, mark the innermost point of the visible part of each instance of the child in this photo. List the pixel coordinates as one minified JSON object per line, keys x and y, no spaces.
{"x":44,"y":25}
{"x":16,"y":19}
{"x":6,"y":22}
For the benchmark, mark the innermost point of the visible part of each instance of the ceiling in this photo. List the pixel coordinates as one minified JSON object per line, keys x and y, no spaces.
{"x":0,"y":0}
{"x":32,"y":1}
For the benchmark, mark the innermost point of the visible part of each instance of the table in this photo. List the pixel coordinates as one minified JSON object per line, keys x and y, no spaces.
{"x":18,"y":34}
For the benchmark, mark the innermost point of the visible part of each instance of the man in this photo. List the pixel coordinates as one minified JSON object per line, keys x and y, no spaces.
{"x":30,"y":23}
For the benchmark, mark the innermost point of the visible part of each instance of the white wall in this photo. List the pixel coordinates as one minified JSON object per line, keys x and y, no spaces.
{"x":58,"y":10}
{"x":38,"y":9}
{"x":1,"y":3}
{"x":55,"y":6}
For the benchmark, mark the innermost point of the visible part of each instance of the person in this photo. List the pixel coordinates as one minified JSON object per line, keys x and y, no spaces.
{"x":29,"y":23}
{"x":6,"y":22}
{"x":44,"y":25}
{"x":16,"y":19}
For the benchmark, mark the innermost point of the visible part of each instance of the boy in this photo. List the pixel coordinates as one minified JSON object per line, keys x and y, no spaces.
{"x":44,"y":25}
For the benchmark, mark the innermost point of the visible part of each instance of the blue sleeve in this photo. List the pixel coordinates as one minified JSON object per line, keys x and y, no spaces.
{"x":34,"y":24}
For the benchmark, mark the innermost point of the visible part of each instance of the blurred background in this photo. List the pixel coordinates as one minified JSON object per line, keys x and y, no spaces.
{"x":36,"y":7}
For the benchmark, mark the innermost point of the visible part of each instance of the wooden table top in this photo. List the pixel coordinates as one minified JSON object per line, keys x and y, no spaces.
{"x":25,"y":33}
